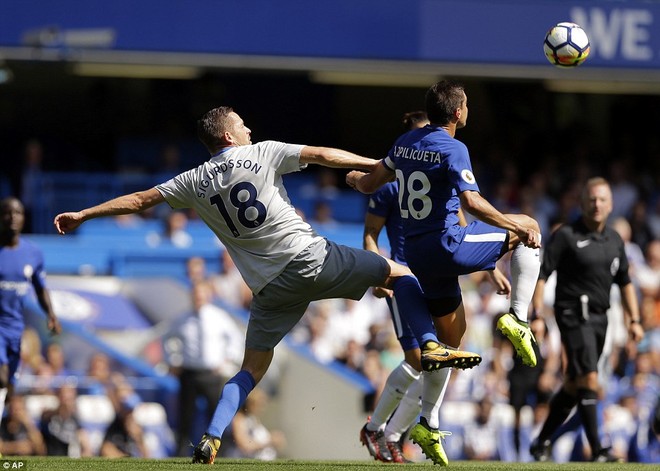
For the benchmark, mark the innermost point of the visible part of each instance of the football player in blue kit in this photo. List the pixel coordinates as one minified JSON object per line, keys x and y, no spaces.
{"x":21,"y":269}
{"x":435,"y":179}
{"x":399,"y":403}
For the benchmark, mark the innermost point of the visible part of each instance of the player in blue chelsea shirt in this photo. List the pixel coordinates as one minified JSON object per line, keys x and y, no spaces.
{"x":21,"y":268}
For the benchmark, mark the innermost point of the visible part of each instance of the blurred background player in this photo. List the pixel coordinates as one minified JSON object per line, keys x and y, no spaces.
{"x":21,"y":269}
{"x":589,"y":257}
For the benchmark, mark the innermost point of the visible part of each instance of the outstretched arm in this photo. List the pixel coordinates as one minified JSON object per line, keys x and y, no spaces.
{"x":127,"y":204}
{"x":479,"y":207}
{"x":369,"y":182}
{"x":335,"y":158}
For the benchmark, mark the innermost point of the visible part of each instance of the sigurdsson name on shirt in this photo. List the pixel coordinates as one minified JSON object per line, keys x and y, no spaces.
{"x":417,"y":154}
{"x":218,"y":169}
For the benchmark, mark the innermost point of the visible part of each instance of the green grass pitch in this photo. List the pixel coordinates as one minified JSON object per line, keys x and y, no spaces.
{"x":134,"y":464}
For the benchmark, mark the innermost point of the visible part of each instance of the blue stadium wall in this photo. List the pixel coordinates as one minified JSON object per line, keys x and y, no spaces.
{"x":624,"y":34}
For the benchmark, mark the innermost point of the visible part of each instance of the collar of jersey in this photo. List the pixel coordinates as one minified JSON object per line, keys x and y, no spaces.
{"x":222,"y":151}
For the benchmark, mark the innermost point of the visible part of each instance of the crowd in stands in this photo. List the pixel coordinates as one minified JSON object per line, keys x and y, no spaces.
{"x":359,"y":335}
{"x":52,"y":409}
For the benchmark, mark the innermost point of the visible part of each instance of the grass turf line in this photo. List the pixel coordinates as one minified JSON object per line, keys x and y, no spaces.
{"x":173,"y":464}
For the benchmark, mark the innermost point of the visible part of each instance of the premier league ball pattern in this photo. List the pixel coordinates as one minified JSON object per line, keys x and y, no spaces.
{"x":566,"y":45}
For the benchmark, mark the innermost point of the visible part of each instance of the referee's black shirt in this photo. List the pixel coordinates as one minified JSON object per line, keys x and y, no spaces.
{"x":586,"y":263}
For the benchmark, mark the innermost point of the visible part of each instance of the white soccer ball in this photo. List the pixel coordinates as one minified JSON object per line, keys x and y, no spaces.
{"x":566,"y":45}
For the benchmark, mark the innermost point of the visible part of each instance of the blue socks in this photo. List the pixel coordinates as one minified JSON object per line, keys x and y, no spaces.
{"x":413,"y":309}
{"x":232,"y":398}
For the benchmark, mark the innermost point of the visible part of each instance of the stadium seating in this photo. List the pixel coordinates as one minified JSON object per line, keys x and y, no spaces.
{"x":95,"y":413}
{"x":158,"y":435}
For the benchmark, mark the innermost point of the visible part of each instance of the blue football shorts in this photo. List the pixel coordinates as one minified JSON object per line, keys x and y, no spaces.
{"x":438,"y":258}
{"x":10,"y":353}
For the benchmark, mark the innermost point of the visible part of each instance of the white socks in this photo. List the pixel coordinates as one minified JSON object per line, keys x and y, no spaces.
{"x":405,"y":415}
{"x":3,"y":396}
{"x":434,"y":386}
{"x":525,"y":267}
{"x":396,"y":386}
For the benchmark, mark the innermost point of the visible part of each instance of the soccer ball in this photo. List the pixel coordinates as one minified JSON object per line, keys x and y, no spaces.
{"x":566,"y":45}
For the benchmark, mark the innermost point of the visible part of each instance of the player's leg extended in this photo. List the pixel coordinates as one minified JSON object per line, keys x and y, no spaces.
{"x":414,"y":309}
{"x":396,"y":388}
{"x":255,"y":365}
{"x":426,"y":433}
{"x":372,"y":434}
{"x":403,"y":419}
{"x":525,"y":267}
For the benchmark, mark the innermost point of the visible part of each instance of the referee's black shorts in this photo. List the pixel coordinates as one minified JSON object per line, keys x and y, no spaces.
{"x":583,"y":341}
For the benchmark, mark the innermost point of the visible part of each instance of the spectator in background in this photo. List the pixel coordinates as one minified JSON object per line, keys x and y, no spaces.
{"x":174,"y":232}
{"x":124,"y":436}
{"x":649,"y":272}
{"x":228,"y":285}
{"x":624,"y":192}
{"x":633,"y":251}
{"x":30,"y":178}
{"x":196,"y":271}
{"x":322,"y":217}
{"x":483,"y":434}
{"x":55,"y":359}
{"x":642,"y":231}
{"x":19,"y":434}
{"x":248,"y":437}
{"x":62,"y":432}
{"x":99,"y":375}
{"x":211,"y":346}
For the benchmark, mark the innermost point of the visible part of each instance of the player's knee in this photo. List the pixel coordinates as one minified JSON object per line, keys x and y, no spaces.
{"x":534,"y":224}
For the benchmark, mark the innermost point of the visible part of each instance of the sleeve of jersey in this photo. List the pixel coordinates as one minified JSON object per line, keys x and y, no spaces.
{"x":381,"y":201}
{"x":552,"y":253}
{"x":39,"y":275}
{"x":622,"y":277}
{"x":459,"y":169}
{"x":283,"y":157}
{"x":176,"y":191}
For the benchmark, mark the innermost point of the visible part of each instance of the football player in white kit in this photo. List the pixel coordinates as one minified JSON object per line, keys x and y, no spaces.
{"x":239,"y":194}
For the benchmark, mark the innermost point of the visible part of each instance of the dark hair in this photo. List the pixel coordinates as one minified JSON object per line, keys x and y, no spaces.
{"x":212,"y":126}
{"x":442,"y":100}
{"x":8,"y":200}
{"x":412,"y":119}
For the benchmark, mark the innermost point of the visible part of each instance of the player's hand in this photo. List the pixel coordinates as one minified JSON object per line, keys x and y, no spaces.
{"x":54,"y":325}
{"x":353,"y":177}
{"x":636,"y":332}
{"x":67,"y":222}
{"x":530,"y":238}
{"x":381,"y":292}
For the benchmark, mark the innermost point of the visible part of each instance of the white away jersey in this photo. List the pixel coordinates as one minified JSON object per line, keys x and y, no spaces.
{"x":240,"y":195}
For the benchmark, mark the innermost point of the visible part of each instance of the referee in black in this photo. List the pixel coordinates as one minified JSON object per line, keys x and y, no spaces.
{"x":588,"y":257}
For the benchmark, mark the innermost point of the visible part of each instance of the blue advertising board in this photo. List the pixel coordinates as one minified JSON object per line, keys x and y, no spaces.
{"x":624,"y":34}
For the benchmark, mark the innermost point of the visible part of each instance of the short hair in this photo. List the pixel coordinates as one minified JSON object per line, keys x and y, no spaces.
{"x":412,"y":119}
{"x":212,"y":126}
{"x":592,"y":182}
{"x":8,"y":200}
{"x":442,"y":100}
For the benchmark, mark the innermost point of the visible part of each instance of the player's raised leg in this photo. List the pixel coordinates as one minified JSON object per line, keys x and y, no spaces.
{"x":525,"y":267}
